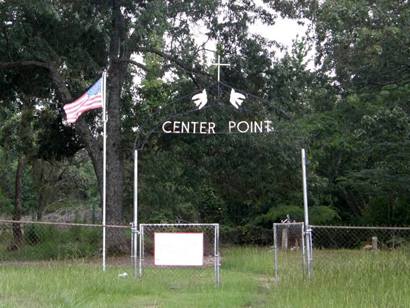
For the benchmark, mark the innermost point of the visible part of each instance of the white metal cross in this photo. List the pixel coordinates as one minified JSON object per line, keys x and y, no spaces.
{"x":219,"y":64}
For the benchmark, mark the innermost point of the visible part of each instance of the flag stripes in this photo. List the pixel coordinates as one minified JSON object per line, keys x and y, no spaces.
{"x":92,"y":99}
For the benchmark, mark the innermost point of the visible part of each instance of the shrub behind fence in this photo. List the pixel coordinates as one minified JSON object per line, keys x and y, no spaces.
{"x":48,"y":241}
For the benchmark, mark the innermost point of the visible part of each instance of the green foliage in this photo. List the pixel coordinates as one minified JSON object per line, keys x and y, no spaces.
{"x":351,"y":112}
{"x":323,"y":215}
{"x":32,"y":235}
{"x":281,"y":212}
{"x":6,"y":203}
{"x":364,"y":41}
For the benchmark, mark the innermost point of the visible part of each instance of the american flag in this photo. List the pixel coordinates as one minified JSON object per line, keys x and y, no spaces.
{"x":92,"y":99}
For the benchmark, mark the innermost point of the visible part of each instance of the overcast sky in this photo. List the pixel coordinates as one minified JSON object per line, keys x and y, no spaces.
{"x":284,"y":31}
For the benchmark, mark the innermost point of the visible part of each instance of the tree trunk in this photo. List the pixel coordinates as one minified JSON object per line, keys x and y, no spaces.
{"x":40,"y":204}
{"x":118,"y":52}
{"x":116,"y":242}
{"x":114,"y":157}
{"x":17,"y":233}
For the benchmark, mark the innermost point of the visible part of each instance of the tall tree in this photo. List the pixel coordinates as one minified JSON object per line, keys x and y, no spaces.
{"x":108,"y":34}
{"x":363,"y":47}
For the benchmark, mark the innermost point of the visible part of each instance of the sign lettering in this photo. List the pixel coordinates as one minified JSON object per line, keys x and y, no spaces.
{"x":209,"y":128}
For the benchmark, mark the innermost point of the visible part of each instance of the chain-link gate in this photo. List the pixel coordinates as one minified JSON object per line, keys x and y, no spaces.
{"x":289,"y":249}
{"x":188,"y":250}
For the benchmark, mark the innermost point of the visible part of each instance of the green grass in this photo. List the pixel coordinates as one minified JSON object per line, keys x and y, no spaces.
{"x":343,"y":278}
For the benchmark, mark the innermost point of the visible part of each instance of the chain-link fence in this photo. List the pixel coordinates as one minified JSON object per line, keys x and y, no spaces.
{"x":340,"y":250}
{"x":192,"y":250}
{"x":289,"y":249}
{"x":187,"y":250}
{"x":358,"y":237}
{"x":35,"y":243}
{"x":28,"y":242}
{"x":381,"y":250}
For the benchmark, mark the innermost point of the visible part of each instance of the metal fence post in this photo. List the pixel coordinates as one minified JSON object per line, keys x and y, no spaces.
{"x":141,"y":251}
{"x":306,"y":212}
{"x":275,"y":253}
{"x":134,"y":248}
{"x":304,"y":261}
{"x":132,"y":242}
{"x":216,"y":254}
{"x":309,"y":252}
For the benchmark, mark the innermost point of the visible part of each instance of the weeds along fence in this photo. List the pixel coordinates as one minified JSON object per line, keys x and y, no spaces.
{"x":31,"y":242}
{"x":340,"y":249}
{"x":190,"y":251}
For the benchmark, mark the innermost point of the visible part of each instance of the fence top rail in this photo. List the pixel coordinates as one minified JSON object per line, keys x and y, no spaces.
{"x":54,"y":223}
{"x":360,"y":227}
{"x":180,"y":225}
{"x":288,"y":223}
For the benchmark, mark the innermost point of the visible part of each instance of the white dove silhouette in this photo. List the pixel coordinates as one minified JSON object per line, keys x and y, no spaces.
{"x":236,"y":99}
{"x":200,"y":99}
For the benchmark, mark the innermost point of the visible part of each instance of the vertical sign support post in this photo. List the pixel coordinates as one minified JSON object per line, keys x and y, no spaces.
{"x":134,"y":224}
{"x":308,"y":230}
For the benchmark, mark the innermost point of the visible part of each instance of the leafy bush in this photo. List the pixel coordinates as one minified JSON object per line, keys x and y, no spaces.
{"x":56,"y":243}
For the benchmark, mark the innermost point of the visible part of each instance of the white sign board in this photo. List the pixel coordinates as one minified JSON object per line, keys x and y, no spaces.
{"x":179,"y":249}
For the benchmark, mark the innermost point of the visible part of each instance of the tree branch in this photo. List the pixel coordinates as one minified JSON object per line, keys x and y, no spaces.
{"x":137,"y":64}
{"x":54,"y":75}
{"x":176,"y":61}
{"x":81,"y":126}
{"x":7,"y":65}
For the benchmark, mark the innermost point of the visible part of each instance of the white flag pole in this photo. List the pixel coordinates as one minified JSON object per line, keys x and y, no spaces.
{"x":104,"y":212}
{"x":135,"y":221}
